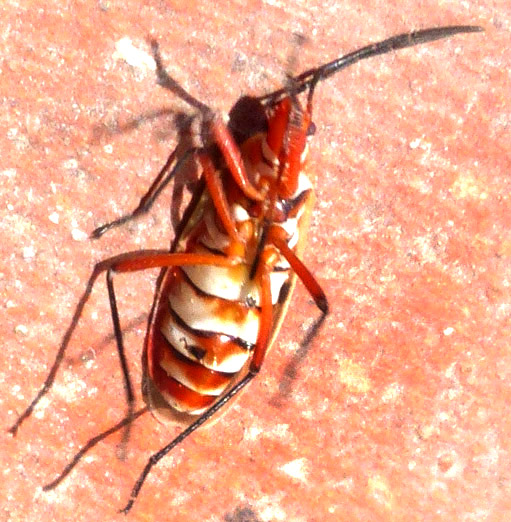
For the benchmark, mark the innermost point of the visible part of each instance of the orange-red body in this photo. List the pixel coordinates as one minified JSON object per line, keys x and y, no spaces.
{"x":226,"y":282}
{"x":207,"y":318}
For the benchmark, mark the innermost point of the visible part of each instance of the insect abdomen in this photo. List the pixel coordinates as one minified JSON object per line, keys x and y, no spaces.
{"x":207,"y":321}
{"x":204,"y":342}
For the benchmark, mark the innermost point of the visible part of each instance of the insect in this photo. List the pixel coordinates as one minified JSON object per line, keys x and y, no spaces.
{"x":226,"y":282}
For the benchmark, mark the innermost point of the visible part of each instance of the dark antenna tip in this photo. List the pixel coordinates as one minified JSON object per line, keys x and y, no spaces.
{"x":309,"y":79}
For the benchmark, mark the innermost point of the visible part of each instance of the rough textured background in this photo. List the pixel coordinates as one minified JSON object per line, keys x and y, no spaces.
{"x":401,"y":410}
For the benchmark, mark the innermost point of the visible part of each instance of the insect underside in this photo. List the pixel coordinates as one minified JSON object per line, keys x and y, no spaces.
{"x":226,"y":282}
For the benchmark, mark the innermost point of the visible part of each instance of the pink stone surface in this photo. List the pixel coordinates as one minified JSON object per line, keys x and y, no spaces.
{"x":401,"y":410}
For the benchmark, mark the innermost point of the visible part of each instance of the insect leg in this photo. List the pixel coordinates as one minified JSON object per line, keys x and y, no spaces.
{"x":164,"y":177}
{"x":321,"y":301}
{"x":156,"y":457}
{"x":232,"y":156}
{"x":218,"y":130}
{"x":141,"y":261}
{"x":304,"y":275}
{"x":255,"y":365}
{"x":128,"y":386}
{"x":131,"y":261}
{"x":217,"y":193}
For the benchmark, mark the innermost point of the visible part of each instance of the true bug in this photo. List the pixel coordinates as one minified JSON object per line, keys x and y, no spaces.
{"x":226,"y":281}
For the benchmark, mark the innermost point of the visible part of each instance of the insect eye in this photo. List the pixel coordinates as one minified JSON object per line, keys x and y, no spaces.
{"x":312,"y":129}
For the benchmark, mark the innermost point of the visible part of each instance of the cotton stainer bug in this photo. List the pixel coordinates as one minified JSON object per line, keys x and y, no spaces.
{"x":228,"y":277}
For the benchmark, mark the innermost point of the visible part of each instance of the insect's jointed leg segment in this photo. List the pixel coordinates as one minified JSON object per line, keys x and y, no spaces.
{"x":129,"y":262}
{"x":156,"y":457}
{"x":217,"y":194}
{"x":304,"y":275}
{"x":165,"y":176}
{"x":128,"y":385}
{"x":255,"y":366}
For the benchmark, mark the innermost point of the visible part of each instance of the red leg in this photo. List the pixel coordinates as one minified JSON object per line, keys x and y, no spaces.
{"x":232,"y":156}
{"x":265,"y":324}
{"x":129,"y":262}
{"x":321,"y":301}
{"x":219,"y":132}
{"x":144,"y":259}
{"x":277,"y":126}
{"x":141,"y":261}
{"x":217,"y":194}
{"x":303,"y":274}
{"x":287,"y":137}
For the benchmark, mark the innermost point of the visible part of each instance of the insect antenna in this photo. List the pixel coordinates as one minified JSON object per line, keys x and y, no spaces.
{"x":308,"y":79}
